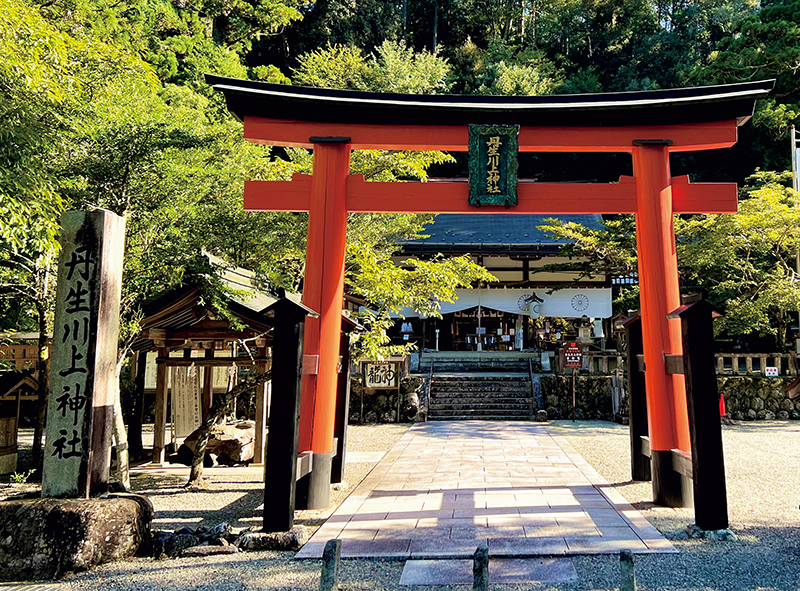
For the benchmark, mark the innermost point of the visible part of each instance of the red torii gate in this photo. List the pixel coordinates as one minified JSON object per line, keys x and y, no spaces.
{"x":648,"y":125}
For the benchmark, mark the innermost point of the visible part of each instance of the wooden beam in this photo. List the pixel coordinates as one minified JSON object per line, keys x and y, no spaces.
{"x":452,"y":197}
{"x":208,"y":361}
{"x":673,"y":363}
{"x":684,"y":137}
{"x":703,"y":197}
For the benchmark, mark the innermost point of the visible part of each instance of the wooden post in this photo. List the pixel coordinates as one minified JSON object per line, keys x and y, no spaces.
{"x":135,"y":427}
{"x":637,"y":401}
{"x":80,"y":409}
{"x":342,"y":411}
{"x":208,"y":385}
{"x":160,"y":426}
{"x":280,"y":469}
{"x":708,"y":466}
{"x":261,"y":410}
{"x":324,"y":290}
{"x":668,"y":422}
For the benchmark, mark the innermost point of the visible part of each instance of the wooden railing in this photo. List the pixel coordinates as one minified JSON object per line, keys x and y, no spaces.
{"x":737,"y":364}
{"x":22,"y":356}
{"x":748,"y":364}
{"x":603,"y":362}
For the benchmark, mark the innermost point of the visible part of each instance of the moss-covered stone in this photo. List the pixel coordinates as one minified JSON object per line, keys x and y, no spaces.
{"x":47,"y":538}
{"x":380,"y":406}
{"x":756,"y":397}
{"x":592,"y":397}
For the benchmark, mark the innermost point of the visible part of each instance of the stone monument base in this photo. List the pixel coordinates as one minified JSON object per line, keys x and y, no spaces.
{"x":47,"y":538}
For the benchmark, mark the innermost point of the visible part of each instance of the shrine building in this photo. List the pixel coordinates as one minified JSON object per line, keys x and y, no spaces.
{"x":526,"y":308}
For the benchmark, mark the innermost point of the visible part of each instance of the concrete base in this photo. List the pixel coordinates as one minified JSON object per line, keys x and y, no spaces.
{"x":314,"y":489}
{"x":8,"y":463}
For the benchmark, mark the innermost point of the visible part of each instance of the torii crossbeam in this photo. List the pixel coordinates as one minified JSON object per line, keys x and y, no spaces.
{"x":648,"y":125}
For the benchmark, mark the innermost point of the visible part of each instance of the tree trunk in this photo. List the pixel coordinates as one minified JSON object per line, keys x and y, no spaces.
{"x":216,"y":412}
{"x":41,"y":392}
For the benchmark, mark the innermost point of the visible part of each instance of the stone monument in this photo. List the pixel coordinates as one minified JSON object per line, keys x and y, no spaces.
{"x":85,"y":338}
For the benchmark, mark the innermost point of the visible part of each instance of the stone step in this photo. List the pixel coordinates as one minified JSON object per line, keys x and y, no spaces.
{"x":479,"y":414}
{"x":492,"y":397}
{"x":459,"y":399}
{"x":478,"y":379}
{"x":463,"y":367}
{"x":478,"y":389}
{"x":468,"y":408}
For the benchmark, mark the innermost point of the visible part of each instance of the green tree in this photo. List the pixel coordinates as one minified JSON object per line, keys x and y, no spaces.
{"x":765,"y":44}
{"x":393,"y":67}
{"x":747,"y":261}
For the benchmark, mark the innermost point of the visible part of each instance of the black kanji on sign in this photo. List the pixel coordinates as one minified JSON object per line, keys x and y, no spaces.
{"x":76,"y":299}
{"x":61,"y":444}
{"x":80,"y":259}
{"x":71,"y":402}
{"x":75,"y":331}
{"x":73,"y":368}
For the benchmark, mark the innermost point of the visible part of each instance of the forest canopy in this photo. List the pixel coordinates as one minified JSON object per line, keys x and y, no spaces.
{"x":104,"y":103}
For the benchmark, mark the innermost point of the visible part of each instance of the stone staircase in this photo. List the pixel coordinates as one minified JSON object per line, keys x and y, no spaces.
{"x":463,"y":396}
{"x":476,"y":361}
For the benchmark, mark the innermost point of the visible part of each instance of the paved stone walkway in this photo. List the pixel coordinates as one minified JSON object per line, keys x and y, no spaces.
{"x":447,"y":487}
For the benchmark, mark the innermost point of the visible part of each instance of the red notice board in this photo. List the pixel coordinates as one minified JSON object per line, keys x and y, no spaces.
{"x":573,"y":356}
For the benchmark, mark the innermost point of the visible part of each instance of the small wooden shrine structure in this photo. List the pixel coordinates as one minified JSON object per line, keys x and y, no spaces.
{"x":180,"y":320}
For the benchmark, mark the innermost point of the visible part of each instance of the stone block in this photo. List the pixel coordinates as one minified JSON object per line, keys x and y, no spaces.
{"x":787,"y":405}
{"x":47,"y":538}
{"x":196,"y":551}
{"x":287,"y":540}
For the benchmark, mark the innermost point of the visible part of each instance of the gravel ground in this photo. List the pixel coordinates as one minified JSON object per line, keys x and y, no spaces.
{"x":763,"y":497}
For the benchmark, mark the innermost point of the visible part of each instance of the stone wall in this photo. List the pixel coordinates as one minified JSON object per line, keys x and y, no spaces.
{"x":380,"y":406}
{"x":758,"y":398}
{"x":592,"y":397}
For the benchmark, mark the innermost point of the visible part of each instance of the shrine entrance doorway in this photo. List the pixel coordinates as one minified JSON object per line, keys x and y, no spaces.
{"x":648,"y":125}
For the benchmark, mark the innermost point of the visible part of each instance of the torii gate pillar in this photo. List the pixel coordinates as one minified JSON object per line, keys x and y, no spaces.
{"x":659,"y":294}
{"x":323,"y":290}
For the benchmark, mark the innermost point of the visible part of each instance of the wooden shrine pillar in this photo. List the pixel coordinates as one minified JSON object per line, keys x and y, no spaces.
{"x":342,"y":405}
{"x":668,"y":422}
{"x":160,"y":426}
{"x":280,"y":467}
{"x":208,"y":384}
{"x":323,"y":290}
{"x":637,"y":401}
{"x":261,"y":409}
{"x":702,"y":397}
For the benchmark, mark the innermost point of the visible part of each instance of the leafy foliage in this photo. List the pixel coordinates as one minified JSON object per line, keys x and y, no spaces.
{"x":747,"y":261}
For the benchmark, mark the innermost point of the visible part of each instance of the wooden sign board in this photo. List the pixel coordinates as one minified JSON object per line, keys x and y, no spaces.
{"x":573,"y":356}
{"x":493,"y":164}
{"x":381,"y":375}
